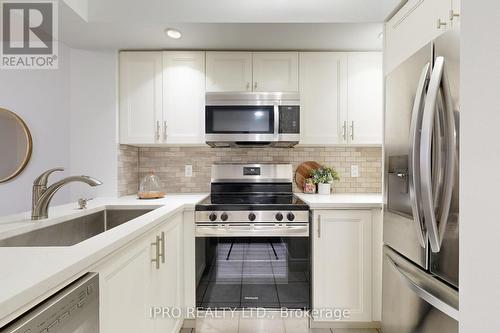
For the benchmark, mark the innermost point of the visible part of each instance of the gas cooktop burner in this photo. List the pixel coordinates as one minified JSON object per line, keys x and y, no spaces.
{"x":252,"y":202}
{"x":252,"y":193}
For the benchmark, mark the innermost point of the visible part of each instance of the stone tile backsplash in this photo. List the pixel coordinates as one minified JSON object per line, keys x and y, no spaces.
{"x":169,"y":162}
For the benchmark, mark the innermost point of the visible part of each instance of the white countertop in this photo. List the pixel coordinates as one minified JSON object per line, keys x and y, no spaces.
{"x":27,"y":273}
{"x":342,"y":200}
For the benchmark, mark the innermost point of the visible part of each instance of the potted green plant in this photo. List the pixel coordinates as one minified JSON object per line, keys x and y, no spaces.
{"x":324,"y":178}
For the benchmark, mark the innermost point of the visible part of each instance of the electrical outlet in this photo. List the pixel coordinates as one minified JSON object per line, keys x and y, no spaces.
{"x":354,"y":170}
{"x":188,"y":170}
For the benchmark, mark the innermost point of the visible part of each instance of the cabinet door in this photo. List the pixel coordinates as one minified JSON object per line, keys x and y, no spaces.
{"x":229,"y":71}
{"x":342,"y":263}
{"x":323,"y":97}
{"x":275,"y":71}
{"x":365,"y":97}
{"x":168,"y":282}
{"x":124,"y":291}
{"x":413,"y":26}
{"x":183,"y":97}
{"x":140,"y":97}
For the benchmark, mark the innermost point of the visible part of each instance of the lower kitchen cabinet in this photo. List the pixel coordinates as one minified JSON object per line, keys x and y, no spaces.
{"x":131,"y":283}
{"x":342,"y":264}
{"x":167,"y":281}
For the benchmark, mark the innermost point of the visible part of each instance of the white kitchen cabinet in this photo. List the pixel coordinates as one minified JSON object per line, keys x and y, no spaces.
{"x":140,"y":97}
{"x":341,"y":98}
{"x":413,"y":26}
{"x":131,"y":283}
{"x":168,"y":280}
{"x":365,"y":98}
{"x":275,"y":71}
{"x":229,"y":71}
{"x":342,"y":263}
{"x":183,"y":97}
{"x":125,"y":288}
{"x":323,"y":97}
{"x":247,"y":71}
{"x":162,"y":97}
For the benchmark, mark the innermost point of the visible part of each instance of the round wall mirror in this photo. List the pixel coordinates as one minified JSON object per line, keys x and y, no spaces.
{"x":15,"y":145}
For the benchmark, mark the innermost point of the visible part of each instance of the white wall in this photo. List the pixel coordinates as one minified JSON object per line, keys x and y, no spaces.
{"x":41,"y":98}
{"x":480,"y":165}
{"x":93,"y":126}
{"x":71,"y":113}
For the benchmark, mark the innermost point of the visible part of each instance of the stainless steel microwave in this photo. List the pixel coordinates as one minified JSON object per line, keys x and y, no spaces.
{"x":252,"y":119}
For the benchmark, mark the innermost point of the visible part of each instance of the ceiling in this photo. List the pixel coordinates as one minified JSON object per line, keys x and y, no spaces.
{"x":225,"y":24}
{"x":240,"y":11}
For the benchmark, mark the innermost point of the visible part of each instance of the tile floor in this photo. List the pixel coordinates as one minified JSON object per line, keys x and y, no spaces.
{"x":239,"y":323}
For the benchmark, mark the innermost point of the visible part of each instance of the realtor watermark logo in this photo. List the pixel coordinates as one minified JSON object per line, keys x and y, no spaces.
{"x":29,"y":34}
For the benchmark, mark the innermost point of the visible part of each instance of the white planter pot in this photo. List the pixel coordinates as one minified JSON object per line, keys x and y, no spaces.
{"x":324,"y":188}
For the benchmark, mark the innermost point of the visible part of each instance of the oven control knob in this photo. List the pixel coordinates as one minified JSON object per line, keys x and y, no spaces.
{"x":224,"y":217}
{"x":279,"y":217}
{"x":290,"y":216}
{"x":251,"y":217}
{"x":212,"y":217}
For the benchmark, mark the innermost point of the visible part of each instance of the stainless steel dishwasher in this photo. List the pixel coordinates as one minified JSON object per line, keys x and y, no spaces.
{"x":74,"y":309}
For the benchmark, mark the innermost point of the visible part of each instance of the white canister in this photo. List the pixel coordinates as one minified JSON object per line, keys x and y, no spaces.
{"x":324,"y":188}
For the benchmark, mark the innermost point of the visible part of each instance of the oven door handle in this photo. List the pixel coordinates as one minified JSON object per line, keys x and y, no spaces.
{"x":256,"y":229}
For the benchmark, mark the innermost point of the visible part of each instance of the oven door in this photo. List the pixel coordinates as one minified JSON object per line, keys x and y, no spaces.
{"x":253,"y":266}
{"x":241,"y":123}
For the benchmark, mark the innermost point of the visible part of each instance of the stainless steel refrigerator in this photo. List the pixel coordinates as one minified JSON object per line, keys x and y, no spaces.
{"x":421,"y":211}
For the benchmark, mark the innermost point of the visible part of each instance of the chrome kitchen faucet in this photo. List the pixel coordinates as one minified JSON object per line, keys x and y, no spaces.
{"x":42,"y":195}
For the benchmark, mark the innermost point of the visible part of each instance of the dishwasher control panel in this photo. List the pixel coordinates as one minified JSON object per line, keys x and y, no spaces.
{"x":76,"y":305}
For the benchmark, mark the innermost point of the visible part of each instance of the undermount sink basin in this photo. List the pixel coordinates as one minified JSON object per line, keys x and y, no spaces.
{"x":76,"y":230}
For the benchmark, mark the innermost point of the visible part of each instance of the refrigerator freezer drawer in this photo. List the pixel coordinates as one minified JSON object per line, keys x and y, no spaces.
{"x":414,"y":301}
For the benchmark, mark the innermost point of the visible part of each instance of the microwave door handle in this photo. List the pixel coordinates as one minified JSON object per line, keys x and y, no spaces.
{"x":276,"y":122}
{"x":414,"y":155}
{"x":438,"y":82}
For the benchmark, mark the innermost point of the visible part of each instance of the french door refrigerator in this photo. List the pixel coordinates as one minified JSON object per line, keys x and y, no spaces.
{"x":421,"y":212}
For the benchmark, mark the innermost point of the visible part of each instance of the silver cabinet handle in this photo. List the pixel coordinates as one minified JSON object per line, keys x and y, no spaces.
{"x":438,"y":82}
{"x":157,"y":130}
{"x":352,"y":130}
{"x":248,"y":85}
{"x":453,"y":15}
{"x":344,"y":131}
{"x":421,"y":292}
{"x":440,"y":24}
{"x":414,"y":155}
{"x":255,"y":85}
{"x":164,"y":130}
{"x":162,"y":240}
{"x":319,"y":226}
{"x":156,"y":259}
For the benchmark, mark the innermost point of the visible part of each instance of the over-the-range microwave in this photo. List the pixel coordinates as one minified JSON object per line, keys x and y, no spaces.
{"x":252,"y":119}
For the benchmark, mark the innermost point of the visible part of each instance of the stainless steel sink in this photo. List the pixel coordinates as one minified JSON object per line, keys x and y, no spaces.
{"x":75,"y":230}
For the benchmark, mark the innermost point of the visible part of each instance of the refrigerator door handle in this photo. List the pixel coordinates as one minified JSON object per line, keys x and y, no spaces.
{"x":421,"y":292}
{"x":414,"y":155}
{"x":438,"y":83}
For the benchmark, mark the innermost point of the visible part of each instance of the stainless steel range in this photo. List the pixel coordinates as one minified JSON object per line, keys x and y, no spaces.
{"x":252,"y":247}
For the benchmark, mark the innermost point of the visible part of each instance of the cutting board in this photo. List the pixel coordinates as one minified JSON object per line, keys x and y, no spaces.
{"x":304,"y":171}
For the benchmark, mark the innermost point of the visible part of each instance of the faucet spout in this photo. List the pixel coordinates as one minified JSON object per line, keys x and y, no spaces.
{"x":43,"y":195}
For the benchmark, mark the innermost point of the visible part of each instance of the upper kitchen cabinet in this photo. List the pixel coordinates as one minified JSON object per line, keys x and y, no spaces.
{"x":365,"y":98}
{"x":140,"y":97}
{"x":323,"y":97}
{"x":247,"y":71}
{"x":183,"y":97}
{"x":162,"y":97}
{"x":414,"y":25}
{"x":341,"y":98}
{"x":229,"y":71}
{"x":275,"y":71}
